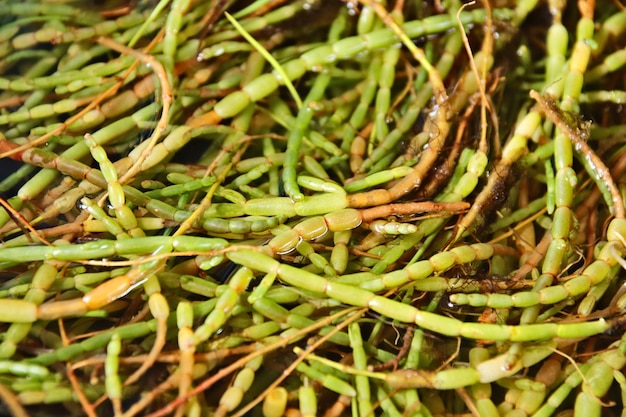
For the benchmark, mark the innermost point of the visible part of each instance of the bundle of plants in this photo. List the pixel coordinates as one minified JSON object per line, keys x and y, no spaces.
{"x":312,"y":208}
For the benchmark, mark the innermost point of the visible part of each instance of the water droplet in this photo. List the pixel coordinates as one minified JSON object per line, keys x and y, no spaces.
{"x":353,"y":8}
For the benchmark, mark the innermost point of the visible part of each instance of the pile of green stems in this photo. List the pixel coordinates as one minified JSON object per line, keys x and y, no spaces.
{"x":312,"y":207}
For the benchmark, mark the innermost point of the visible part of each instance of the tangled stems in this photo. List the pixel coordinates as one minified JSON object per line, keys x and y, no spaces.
{"x":180,"y":217}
